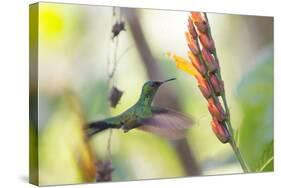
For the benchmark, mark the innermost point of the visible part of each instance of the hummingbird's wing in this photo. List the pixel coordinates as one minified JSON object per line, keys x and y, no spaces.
{"x":166,"y":123}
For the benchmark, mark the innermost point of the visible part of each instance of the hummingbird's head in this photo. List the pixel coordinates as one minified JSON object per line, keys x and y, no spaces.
{"x":154,"y":85}
{"x":150,"y":88}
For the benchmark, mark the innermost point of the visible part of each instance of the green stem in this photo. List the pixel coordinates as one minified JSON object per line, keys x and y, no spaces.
{"x":232,"y":140}
{"x":238,"y":154}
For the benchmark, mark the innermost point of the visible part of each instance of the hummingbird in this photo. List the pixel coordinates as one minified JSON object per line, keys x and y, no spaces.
{"x":143,"y":115}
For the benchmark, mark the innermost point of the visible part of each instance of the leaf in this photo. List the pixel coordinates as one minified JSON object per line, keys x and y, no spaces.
{"x":255,"y":95}
{"x":266,"y":162}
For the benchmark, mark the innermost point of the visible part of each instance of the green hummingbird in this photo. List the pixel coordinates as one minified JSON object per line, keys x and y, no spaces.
{"x":164,"y":122}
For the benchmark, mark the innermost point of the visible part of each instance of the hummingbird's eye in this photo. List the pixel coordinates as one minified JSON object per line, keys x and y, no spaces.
{"x":151,"y":84}
{"x":154,"y":84}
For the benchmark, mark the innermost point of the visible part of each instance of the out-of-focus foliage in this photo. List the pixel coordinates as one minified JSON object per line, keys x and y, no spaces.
{"x":64,"y":156}
{"x":266,"y":161}
{"x":33,"y":154}
{"x":255,"y":94}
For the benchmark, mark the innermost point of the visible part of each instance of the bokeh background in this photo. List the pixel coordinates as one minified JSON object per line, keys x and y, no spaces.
{"x":74,"y":45}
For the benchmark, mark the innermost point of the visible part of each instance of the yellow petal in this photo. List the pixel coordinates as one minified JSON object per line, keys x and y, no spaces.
{"x":183,"y":64}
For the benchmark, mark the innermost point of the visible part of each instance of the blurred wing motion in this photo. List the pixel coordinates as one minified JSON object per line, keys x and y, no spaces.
{"x":166,"y":123}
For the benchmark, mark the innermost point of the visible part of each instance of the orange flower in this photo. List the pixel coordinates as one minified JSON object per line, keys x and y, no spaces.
{"x":211,"y":63}
{"x":183,"y":64}
{"x":191,"y":43}
{"x":197,"y":17}
{"x":220,"y":131}
{"x":206,"y":41}
{"x":204,"y":87}
{"x":201,"y":26}
{"x":199,"y":21}
{"x":191,"y":28}
{"x":217,"y":84}
{"x":197,"y":64}
{"x":216,"y":110}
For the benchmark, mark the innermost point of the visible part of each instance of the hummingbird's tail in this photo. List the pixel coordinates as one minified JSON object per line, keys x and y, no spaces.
{"x":96,"y":127}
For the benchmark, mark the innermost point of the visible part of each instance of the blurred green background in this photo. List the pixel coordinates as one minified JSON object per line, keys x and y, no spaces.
{"x":74,"y":43}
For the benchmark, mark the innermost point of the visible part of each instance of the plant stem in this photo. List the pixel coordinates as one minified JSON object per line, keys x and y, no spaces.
{"x":238,"y":154}
{"x":232,"y":140}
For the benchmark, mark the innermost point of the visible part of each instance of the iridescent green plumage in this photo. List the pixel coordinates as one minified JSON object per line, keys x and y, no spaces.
{"x":142,"y":115}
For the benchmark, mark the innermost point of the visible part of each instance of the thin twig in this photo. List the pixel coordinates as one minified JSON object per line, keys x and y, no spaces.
{"x":109,"y":144}
{"x":110,"y":76}
{"x":125,"y":52}
{"x":112,"y":72}
{"x":114,"y":59}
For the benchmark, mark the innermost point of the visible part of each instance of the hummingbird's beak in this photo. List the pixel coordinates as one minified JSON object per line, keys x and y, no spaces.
{"x":168,"y":80}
